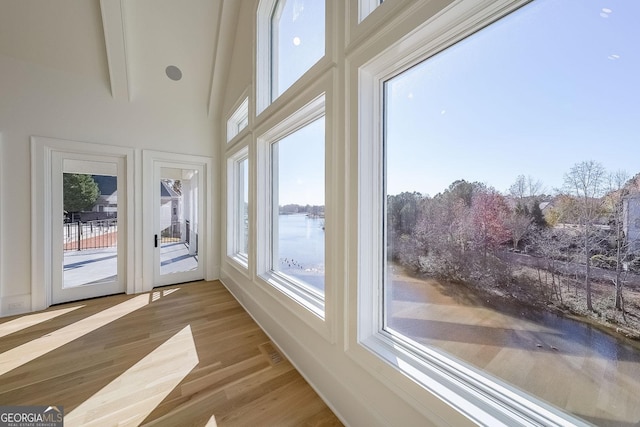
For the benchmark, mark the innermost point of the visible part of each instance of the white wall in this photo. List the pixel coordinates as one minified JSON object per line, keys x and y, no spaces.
{"x":41,"y":101}
{"x":358,"y":395}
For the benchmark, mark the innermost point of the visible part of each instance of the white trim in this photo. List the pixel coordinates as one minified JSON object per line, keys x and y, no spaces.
{"x":115,"y":37}
{"x":263,"y":54}
{"x":208,"y":256}
{"x":321,"y":376}
{"x":480,"y":398}
{"x":365,"y":7}
{"x":15,"y":304}
{"x":42,"y":149}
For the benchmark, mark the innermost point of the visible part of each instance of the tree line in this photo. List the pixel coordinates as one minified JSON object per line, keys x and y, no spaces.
{"x":469,"y":232}
{"x":290,"y":209}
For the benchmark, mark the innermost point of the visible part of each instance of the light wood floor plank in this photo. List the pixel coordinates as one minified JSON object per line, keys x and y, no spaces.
{"x":117,"y":355}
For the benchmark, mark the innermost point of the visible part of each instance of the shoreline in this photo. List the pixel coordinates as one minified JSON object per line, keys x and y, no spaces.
{"x":509,"y":303}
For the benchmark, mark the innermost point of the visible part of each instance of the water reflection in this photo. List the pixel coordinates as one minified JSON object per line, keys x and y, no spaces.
{"x":568,"y":363}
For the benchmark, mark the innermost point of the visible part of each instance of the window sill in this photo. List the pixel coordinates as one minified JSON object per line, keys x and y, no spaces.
{"x":481,"y":400}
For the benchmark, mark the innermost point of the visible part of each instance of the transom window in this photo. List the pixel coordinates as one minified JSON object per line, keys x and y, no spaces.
{"x":290,"y":40}
{"x":297,"y":41}
{"x":238,"y":120}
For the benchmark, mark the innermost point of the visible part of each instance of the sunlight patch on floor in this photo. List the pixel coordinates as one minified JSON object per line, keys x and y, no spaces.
{"x":27,"y":352}
{"x":156,"y":295}
{"x":24,"y":322}
{"x":130,"y":398}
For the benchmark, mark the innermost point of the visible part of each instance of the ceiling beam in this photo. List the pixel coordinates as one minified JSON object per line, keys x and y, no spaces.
{"x":225,"y":37}
{"x":113,"y":23}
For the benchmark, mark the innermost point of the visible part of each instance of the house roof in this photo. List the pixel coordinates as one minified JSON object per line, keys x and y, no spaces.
{"x":167,"y":191}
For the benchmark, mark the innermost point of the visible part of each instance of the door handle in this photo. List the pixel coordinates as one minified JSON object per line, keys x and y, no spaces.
{"x":155,"y":241}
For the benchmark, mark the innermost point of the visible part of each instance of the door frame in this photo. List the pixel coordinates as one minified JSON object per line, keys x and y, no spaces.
{"x":206,"y":238}
{"x":42,"y":149}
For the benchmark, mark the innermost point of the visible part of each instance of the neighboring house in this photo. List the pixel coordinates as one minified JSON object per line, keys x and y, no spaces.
{"x":170,"y":210}
{"x":631,"y":221}
{"x":108,"y":200}
{"x":545,"y":206}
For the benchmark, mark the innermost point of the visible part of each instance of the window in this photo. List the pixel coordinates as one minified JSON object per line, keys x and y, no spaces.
{"x":238,"y":202}
{"x":475,"y":279}
{"x":293,"y":164}
{"x":291,"y":39}
{"x":238,"y":120}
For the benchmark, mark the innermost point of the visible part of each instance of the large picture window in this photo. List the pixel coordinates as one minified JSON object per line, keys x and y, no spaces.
{"x":298,"y":197}
{"x":292,"y":160}
{"x":511,"y":179}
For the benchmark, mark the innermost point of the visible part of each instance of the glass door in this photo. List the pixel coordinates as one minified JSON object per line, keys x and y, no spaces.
{"x":178,"y":213}
{"x":88,"y":238}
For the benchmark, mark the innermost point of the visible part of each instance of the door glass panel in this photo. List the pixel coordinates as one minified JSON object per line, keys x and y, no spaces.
{"x":90,"y":227}
{"x":178,"y":238}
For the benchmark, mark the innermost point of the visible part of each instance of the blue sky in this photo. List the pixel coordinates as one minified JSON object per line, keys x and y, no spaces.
{"x":300,"y":39}
{"x":301,"y":166}
{"x":555,"y":83}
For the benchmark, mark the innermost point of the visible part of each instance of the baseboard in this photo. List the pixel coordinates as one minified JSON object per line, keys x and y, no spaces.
{"x":16,"y":304}
{"x":296,"y":351}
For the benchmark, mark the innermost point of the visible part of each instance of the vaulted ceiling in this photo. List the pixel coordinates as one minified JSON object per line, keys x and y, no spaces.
{"x":126,"y":45}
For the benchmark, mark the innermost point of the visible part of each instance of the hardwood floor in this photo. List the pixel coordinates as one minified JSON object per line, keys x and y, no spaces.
{"x":185,"y":355}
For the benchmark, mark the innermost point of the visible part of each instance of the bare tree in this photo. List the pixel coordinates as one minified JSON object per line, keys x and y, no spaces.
{"x":550,"y":245}
{"x":518,"y":189}
{"x":518,"y":225}
{"x":525,"y":187}
{"x":617,"y":193}
{"x":586,"y":181}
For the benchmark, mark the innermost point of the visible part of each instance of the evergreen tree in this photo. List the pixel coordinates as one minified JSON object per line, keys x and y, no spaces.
{"x":537,"y":215}
{"x":80,"y":192}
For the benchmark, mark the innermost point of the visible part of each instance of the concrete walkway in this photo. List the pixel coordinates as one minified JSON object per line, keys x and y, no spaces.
{"x":94,"y":266}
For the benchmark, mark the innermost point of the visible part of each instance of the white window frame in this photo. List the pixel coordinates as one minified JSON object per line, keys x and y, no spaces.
{"x":235,"y":188}
{"x":239,"y":120}
{"x":420,"y":372}
{"x":310,"y":300}
{"x":263,"y":54}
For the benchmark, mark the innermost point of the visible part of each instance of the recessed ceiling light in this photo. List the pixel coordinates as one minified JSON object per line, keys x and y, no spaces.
{"x":173,"y":72}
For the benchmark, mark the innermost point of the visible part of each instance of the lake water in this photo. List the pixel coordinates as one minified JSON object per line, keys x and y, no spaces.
{"x":567,"y":363}
{"x":301,"y":248}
